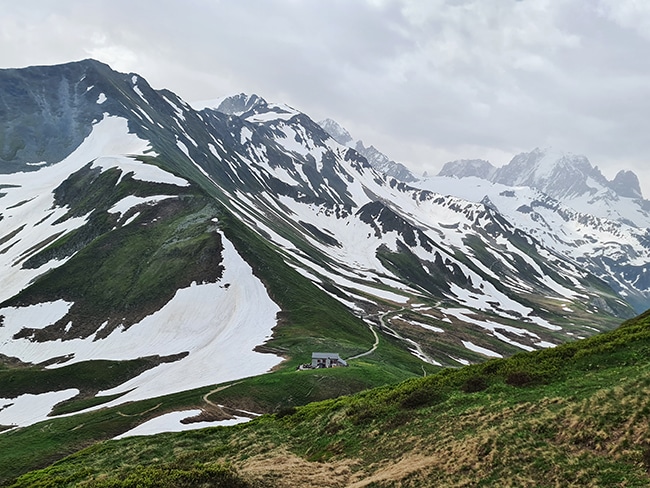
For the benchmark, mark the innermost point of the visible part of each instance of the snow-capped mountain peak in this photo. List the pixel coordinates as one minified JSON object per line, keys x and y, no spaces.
{"x":556,"y":173}
{"x":464,"y":168}
{"x":254,"y":108}
{"x":336,"y":131}
{"x":560,"y":175}
{"x":567,"y":203}
{"x":376,"y":158}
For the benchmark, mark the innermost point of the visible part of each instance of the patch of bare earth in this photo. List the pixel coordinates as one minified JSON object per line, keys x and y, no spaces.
{"x":394,"y":472}
{"x":285,"y":469}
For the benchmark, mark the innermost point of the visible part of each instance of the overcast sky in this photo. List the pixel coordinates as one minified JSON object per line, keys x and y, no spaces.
{"x":425,"y":81}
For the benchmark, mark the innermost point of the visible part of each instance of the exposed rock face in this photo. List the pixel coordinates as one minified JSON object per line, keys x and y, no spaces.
{"x":464,"y":168}
{"x":626,"y":184}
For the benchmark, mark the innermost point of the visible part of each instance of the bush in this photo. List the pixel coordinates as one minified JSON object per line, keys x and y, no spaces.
{"x":422,"y":397}
{"x":475,"y":384}
{"x":520,"y":378}
{"x":163,"y":477}
{"x":285,"y":412}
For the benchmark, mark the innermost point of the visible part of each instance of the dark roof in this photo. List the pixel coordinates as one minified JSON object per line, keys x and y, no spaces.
{"x":325,"y":355}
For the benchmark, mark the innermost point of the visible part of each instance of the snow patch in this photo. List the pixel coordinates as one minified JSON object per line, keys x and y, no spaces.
{"x":214,"y":322}
{"x":139,"y":170}
{"x":131,"y":201}
{"x":29,"y":409}
{"x":481,"y":350}
{"x":171,"y":422}
{"x":33,"y":316}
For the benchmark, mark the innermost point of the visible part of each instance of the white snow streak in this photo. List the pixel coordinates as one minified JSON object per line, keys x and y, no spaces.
{"x":171,"y":422}
{"x":29,"y":409}
{"x":481,"y":350}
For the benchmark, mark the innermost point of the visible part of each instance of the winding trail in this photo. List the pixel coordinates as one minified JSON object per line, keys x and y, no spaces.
{"x":227,"y":412}
{"x":376,"y":343}
{"x":386,"y":327}
{"x":139,"y":414}
{"x":220,"y":388}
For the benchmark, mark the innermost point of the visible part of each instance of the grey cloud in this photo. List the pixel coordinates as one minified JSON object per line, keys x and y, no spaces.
{"x":421,"y":80}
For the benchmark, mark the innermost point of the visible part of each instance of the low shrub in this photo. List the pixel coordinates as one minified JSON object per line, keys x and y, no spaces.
{"x":521,"y":378}
{"x":422,"y":397}
{"x":166,"y":477}
{"x":285,"y":412}
{"x":475,"y":384}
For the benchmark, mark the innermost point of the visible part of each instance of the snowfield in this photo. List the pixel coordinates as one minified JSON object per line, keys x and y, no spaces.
{"x":215,"y":323}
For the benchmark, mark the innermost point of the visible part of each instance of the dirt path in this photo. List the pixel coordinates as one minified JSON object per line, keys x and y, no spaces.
{"x":213,"y":411}
{"x":376,"y":343}
{"x":139,"y":414}
{"x":220,"y":388}
{"x":385,"y":326}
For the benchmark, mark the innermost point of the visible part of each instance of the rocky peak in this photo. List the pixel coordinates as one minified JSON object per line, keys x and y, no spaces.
{"x":557,"y":174}
{"x":73,"y":95}
{"x":374,"y":156}
{"x":464,"y":168}
{"x":626,"y":184}
{"x":240,"y":104}
{"x":383,"y":163}
{"x":336,"y":132}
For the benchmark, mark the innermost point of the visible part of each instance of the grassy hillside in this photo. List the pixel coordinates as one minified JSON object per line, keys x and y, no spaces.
{"x":575,"y":415}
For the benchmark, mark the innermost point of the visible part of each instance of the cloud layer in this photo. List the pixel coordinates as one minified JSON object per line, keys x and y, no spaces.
{"x":425,"y":82}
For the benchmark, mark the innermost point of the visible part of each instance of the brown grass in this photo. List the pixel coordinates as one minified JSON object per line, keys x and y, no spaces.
{"x":282,"y":468}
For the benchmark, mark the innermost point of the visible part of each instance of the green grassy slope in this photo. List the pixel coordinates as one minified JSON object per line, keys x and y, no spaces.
{"x":575,"y":415}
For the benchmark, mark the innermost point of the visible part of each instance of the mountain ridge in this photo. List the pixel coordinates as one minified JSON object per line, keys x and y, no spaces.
{"x":556,"y":173}
{"x":376,"y":158}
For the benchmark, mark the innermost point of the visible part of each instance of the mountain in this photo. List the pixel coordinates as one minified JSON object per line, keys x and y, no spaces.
{"x":156,"y":253}
{"x":376,"y":158}
{"x":566,"y":203}
{"x":336,"y":131}
{"x":626,"y":184}
{"x":466,"y":168}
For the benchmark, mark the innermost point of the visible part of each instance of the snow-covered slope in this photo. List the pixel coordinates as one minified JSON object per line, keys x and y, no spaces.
{"x":208,"y":329}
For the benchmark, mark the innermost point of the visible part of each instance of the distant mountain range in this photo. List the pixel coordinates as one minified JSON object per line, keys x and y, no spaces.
{"x":202,"y":245}
{"x":566,"y":203}
{"x":559,"y":175}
